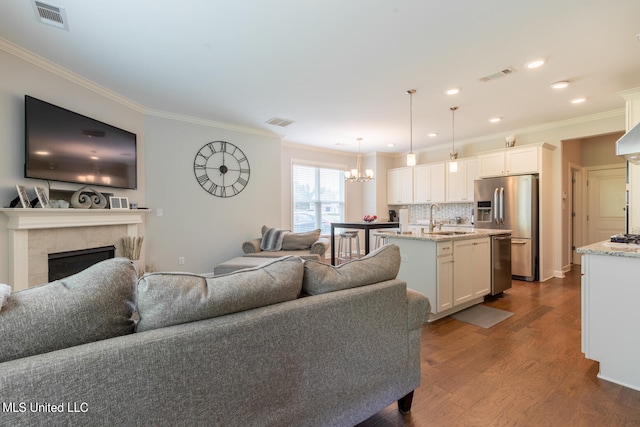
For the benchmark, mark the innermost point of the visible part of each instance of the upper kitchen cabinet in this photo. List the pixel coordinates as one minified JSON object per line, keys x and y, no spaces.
{"x":460,"y":183}
{"x":511,"y":161}
{"x":429,"y":183}
{"x":400,"y":186}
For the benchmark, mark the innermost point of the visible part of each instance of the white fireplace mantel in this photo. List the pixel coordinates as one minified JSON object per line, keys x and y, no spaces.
{"x":22,"y":220}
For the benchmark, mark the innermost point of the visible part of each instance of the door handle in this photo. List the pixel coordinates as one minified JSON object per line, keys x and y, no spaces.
{"x":495,"y":206}
{"x":501,"y":205}
{"x":518,"y":243}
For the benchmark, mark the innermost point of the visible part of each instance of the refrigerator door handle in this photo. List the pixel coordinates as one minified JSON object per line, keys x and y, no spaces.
{"x":501,"y":205}
{"x":496,"y":202}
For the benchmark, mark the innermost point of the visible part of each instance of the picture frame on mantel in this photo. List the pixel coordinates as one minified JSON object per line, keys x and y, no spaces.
{"x":119,"y":203}
{"x":23,"y":196}
{"x":43,"y":199}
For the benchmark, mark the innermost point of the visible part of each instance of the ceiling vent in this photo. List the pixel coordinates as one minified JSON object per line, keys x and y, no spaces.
{"x":276,"y":121}
{"x":51,"y":15}
{"x":501,"y":73}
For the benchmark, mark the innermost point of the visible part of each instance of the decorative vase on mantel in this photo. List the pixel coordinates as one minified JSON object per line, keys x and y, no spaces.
{"x":88,"y":198}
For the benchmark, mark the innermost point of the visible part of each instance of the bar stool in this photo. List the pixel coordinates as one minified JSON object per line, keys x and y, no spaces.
{"x":381,"y":241}
{"x":345,"y":248}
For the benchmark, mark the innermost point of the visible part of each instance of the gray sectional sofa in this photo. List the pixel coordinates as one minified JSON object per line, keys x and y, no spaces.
{"x":289,"y":343}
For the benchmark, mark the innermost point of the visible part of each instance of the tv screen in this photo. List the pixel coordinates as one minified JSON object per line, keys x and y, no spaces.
{"x":65,"y":146}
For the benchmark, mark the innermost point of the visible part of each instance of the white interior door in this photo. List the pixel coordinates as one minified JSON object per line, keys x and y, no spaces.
{"x":606,"y":203}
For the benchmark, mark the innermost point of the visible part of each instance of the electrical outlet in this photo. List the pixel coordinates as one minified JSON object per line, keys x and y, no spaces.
{"x":159,"y":212}
{"x":404,"y":257}
{"x":181,"y":260}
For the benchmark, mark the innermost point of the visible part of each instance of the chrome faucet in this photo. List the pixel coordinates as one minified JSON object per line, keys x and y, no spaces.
{"x":431,"y":223}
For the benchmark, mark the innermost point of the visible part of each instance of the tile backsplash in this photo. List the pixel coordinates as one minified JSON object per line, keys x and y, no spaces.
{"x":447,"y":214}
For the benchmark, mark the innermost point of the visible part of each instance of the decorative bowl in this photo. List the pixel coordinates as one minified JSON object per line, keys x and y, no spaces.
{"x":369,"y":218}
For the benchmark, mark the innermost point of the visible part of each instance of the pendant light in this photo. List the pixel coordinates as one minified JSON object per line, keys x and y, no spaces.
{"x":411,"y":157}
{"x":453,"y":165}
{"x":357,"y":175}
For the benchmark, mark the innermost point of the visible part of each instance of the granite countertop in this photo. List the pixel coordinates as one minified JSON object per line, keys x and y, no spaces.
{"x":465,"y":233}
{"x":611,"y":248}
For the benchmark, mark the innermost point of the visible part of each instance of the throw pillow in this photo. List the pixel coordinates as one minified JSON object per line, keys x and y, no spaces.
{"x":300,"y":241}
{"x":166,"y":299}
{"x":272,"y":239}
{"x":378,"y":266}
{"x":93,"y":305}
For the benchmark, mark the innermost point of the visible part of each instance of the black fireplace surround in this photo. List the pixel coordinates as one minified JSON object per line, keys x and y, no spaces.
{"x":64,"y":264}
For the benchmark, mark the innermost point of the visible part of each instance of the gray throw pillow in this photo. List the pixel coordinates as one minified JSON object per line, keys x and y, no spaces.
{"x":93,"y":305}
{"x":300,"y":241}
{"x":378,"y":266}
{"x":166,"y":299}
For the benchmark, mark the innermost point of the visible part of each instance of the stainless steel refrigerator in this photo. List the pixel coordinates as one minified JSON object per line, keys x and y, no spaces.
{"x":511,"y":203}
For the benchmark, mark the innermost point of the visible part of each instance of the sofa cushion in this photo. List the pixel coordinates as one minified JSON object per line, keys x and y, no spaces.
{"x":300,"y":241}
{"x":166,"y":299}
{"x":379,"y":265}
{"x":95,"y":304}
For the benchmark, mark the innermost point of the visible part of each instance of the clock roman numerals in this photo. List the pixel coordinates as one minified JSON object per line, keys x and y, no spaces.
{"x":221,"y":169}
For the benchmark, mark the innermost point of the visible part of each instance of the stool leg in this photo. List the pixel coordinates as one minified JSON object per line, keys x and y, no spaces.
{"x":357,"y":245}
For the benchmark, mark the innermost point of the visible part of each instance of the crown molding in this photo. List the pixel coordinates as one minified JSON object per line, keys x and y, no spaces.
{"x":69,"y":75}
{"x":66,"y":74}
{"x":621,"y":112}
{"x":211,"y":123}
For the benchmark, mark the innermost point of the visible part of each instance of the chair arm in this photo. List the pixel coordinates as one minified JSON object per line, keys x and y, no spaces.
{"x":418,"y":308}
{"x":320,"y":246}
{"x":251,"y":246}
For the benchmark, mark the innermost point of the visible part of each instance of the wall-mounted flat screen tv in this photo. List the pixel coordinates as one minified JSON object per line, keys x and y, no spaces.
{"x":65,"y":146}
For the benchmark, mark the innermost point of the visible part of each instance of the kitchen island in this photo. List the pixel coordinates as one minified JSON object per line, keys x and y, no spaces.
{"x":611,"y":310}
{"x":452,"y":267}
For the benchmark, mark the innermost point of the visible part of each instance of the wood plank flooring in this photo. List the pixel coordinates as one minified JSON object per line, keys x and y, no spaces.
{"x":526,"y":371}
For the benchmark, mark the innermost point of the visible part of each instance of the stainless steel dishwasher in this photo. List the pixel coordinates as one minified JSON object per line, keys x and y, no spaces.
{"x":500,"y":263}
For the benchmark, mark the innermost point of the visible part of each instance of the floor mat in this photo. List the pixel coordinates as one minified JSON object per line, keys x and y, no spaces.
{"x":482,"y":315}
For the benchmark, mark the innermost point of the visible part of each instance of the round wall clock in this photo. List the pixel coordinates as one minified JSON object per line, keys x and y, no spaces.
{"x":221,"y":169}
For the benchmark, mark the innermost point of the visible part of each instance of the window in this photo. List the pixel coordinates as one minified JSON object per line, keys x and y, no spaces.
{"x":318,"y":197}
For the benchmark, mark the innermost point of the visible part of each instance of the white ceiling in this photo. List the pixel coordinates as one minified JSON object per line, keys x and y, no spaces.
{"x":340,"y":68}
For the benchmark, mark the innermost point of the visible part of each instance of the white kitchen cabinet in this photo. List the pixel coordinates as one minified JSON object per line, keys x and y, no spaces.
{"x":459,"y":184}
{"x":511,"y":161}
{"x":446,"y":270}
{"x":444,"y":276}
{"x":610,"y":315}
{"x":429,"y":183}
{"x":400,"y":186}
{"x":472,"y":269}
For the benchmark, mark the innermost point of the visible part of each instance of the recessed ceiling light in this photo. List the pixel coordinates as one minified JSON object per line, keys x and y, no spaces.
{"x":432,"y":135}
{"x":453,"y":91}
{"x":391,"y":145}
{"x":42,"y":153}
{"x":495,"y":119}
{"x":94,"y":158}
{"x":560,"y":85}
{"x":578,"y":100}
{"x":535,"y":63}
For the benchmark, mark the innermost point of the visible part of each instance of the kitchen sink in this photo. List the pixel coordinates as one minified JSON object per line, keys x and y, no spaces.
{"x":448,"y":233}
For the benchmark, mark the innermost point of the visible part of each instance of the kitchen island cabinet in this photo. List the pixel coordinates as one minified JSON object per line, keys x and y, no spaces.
{"x":610,"y":313}
{"x":453,"y":271}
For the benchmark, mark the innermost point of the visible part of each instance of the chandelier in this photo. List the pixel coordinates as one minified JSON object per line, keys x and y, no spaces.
{"x":357,"y":174}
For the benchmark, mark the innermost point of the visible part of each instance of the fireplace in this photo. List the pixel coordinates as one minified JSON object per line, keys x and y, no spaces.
{"x":65,"y":264}
{"x":36,"y":233}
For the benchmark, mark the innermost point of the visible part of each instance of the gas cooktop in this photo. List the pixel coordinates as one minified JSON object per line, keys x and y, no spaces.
{"x":626,"y":238}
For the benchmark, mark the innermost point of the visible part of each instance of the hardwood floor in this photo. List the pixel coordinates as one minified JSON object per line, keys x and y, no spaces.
{"x":526,"y":371}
